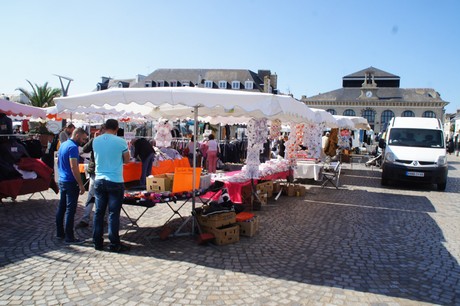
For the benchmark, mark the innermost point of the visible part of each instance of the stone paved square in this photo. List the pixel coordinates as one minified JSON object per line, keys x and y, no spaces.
{"x":363,"y":244}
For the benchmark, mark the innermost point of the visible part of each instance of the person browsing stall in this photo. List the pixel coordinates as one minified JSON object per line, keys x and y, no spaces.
{"x":70,"y":185}
{"x":110,"y":153}
{"x":66,"y":132}
{"x":91,"y":170}
{"x":213,"y":150}
{"x":145,"y":152}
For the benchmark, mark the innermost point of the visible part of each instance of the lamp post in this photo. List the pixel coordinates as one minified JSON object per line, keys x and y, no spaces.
{"x":64,"y":90}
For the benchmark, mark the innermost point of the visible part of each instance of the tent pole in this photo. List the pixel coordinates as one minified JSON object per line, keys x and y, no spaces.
{"x":195,"y":137}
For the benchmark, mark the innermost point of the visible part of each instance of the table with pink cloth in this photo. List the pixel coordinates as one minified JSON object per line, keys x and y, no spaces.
{"x":234,"y":188}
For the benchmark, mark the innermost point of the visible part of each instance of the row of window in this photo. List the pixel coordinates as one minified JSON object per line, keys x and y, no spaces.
{"x":207,"y":84}
{"x":224,"y":84}
{"x":168,"y":83}
{"x":369,"y":114}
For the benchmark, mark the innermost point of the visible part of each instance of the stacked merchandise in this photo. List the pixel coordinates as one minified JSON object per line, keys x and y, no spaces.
{"x":257,"y":136}
{"x":219,"y":219}
{"x":248,"y":223}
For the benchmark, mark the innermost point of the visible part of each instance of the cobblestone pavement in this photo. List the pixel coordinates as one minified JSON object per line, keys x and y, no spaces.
{"x":361,"y":245}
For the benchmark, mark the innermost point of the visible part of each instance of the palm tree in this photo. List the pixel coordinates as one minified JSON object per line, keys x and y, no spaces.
{"x":41,"y":96}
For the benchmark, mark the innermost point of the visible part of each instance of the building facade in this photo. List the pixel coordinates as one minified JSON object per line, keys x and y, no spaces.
{"x":376,"y":95}
{"x":236,"y":79}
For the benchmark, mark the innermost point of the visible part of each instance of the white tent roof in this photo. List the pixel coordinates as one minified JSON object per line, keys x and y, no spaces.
{"x":359,"y":123}
{"x":135,"y":112}
{"x":18,"y":109}
{"x":344,"y":122}
{"x":323,"y":116}
{"x":177,"y":102}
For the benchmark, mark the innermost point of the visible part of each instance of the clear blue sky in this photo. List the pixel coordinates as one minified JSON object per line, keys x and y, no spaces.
{"x":310,"y":45}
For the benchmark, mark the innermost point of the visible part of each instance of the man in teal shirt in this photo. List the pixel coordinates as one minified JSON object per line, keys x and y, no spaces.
{"x":110,"y":153}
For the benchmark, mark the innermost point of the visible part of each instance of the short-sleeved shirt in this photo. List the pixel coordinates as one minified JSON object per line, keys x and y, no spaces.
{"x":63,"y":136}
{"x":108,"y":156}
{"x":67,"y":151}
{"x":212,"y":145}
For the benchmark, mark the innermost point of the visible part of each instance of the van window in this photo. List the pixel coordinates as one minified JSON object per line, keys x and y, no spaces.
{"x":416,"y":138}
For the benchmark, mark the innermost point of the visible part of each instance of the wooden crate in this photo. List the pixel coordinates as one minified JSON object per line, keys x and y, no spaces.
{"x":249,"y":228}
{"x":217,"y":220}
{"x":226,"y":235}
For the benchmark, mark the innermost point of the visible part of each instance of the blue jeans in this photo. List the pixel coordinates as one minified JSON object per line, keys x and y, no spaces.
{"x":68,"y":200}
{"x":89,"y":201}
{"x":108,"y":195}
{"x":146,"y":168}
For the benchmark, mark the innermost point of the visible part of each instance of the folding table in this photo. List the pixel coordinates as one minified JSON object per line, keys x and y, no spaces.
{"x":180,"y":195}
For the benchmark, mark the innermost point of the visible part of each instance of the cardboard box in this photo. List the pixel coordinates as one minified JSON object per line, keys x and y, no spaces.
{"x":170,"y":176}
{"x":249,"y":228}
{"x":289,"y":190}
{"x":276,"y":187}
{"x":217,"y":220}
{"x":300,"y":190}
{"x":158,"y":183}
{"x":225,"y":235}
{"x":262,"y":198}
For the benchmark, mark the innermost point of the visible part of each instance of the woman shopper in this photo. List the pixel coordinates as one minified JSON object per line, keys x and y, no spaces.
{"x":213,"y":151}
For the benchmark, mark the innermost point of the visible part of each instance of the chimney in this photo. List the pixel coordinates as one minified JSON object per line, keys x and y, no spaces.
{"x":267,"y":84}
{"x":274,"y":81}
{"x":140,"y":78}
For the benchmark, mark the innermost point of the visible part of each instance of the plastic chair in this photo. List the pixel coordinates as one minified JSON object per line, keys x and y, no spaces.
{"x":332,"y":176}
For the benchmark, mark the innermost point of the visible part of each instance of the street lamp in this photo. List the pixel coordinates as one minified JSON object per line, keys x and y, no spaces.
{"x":64,"y":90}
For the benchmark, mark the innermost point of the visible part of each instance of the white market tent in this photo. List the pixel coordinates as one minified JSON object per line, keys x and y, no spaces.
{"x":21,"y":110}
{"x":361,"y":123}
{"x":183,"y":102}
{"x":344,"y":122}
{"x":180,"y":102}
{"x":325,"y":117}
{"x":96,"y":113}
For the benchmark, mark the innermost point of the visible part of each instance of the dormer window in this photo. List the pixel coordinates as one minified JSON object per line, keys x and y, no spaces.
{"x":223,"y":84}
{"x":236,"y":84}
{"x":160,"y":83}
{"x":208,"y":84}
{"x":249,"y":85}
{"x":173,"y":83}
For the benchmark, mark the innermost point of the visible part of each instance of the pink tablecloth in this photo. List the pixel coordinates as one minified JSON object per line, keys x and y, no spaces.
{"x":234,"y":188}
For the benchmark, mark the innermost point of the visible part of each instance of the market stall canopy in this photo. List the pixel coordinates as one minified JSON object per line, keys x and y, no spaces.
{"x":360,"y":123}
{"x":96,"y":113}
{"x":344,"y":122}
{"x":18,"y":109}
{"x":325,"y":117}
{"x":177,"y":102}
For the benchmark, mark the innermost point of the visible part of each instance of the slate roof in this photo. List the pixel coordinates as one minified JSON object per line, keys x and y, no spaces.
{"x":198,"y":76}
{"x":377,"y":74}
{"x":385,"y":93}
{"x":345,"y":95}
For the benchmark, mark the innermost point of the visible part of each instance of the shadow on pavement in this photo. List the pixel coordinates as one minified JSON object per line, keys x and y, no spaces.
{"x":363,"y":240}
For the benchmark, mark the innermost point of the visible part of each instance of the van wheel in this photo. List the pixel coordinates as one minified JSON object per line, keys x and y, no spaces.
{"x":442,"y":186}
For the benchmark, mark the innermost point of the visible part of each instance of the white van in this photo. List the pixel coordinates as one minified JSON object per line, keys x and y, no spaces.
{"x":414,"y":150}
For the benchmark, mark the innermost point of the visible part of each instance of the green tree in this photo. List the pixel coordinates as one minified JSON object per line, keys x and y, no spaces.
{"x":41,"y":96}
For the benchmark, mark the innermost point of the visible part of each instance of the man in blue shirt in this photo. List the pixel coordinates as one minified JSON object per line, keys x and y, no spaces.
{"x":70,"y":185}
{"x":110,"y":153}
